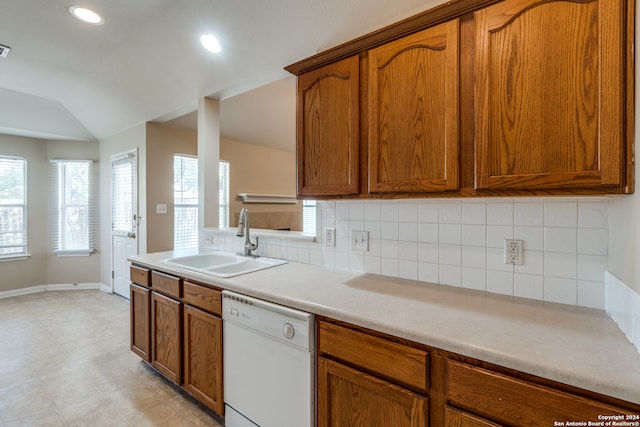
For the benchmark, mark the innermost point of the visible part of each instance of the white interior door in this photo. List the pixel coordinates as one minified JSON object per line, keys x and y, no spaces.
{"x":124,"y":217}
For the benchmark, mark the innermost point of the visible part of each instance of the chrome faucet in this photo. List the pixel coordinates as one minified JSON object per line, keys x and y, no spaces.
{"x":243,"y":230}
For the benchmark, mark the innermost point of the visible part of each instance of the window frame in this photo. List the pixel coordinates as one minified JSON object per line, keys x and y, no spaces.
{"x":59,"y":206}
{"x":24,"y":253}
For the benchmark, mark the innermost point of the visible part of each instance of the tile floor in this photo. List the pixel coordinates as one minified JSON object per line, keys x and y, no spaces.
{"x":65,"y":361}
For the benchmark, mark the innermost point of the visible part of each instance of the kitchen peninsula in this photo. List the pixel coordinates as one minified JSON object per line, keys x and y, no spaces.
{"x":553,"y":349}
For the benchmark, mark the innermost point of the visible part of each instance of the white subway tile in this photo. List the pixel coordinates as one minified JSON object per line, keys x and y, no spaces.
{"x":591,"y":294}
{"x":450,"y":212}
{"x":408,"y":269}
{"x":495,"y":260}
{"x":450,"y":234}
{"x":474,"y":235}
{"x":389,"y":230}
{"x":592,"y":267}
{"x":533,"y":237}
{"x":342,"y":261}
{"x":564,"y":291}
{"x":450,"y":254}
{"x":356,"y":212}
{"x":428,"y":212}
{"x":390,"y":249}
{"x":356,"y":262}
{"x":408,"y":251}
{"x":474,"y":256}
{"x":474,"y":213}
{"x":593,"y":241}
{"x":474,"y":278}
{"x":500,"y":282}
{"x":408,"y":212}
{"x":428,"y":252}
{"x":500,"y":213}
{"x":372,"y":211}
{"x":561,"y":265}
{"x":593,"y":214}
{"x":428,"y":233}
{"x":528,"y":286}
{"x":450,"y":275}
{"x":560,"y":239}
{"x":390,"y":267}
{"x":408,"y":231}
{"x":390,"y":212}
{"x":373,"y":227}
{"x":533,"y":263}
{"x":496,"y":235}
{"x":529,"y":214}
{"x":372,"y":264}
{"x":428,"y":272}
{"x":375,"y":247}
{"x":561,"y":214}
{"x":342,"y":210}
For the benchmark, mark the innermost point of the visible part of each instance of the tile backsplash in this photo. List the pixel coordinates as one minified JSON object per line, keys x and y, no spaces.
{"x":460,"y":242}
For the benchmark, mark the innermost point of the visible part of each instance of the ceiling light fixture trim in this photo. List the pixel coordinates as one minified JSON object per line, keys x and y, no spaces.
{"x":86,"y":15}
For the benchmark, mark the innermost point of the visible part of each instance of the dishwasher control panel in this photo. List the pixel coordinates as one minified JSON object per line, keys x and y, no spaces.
{"x":285,"y":324}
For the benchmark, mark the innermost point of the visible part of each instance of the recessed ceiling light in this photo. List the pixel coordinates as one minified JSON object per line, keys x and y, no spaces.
{"x":211,"y":43}
{"x":86,"y":15}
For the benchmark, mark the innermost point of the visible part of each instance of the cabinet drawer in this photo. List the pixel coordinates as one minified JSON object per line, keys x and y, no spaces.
{"x":140,"y":275}
{"x":397,"y":362}
{"x":513,"y":402}
{"x":166,"y":284}
{"x":202,"y":297}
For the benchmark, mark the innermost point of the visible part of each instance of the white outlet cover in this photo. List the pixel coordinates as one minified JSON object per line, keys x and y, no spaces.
{"x":330,"y":236}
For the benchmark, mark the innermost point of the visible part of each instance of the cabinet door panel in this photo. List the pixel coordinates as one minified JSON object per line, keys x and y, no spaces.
{"x":413,"y":112}
{"x":347,"y":397}
{"x":203,"y":357}
{"x":328,"y":129}
{"x":550,"y":94}
{"x":166,"y":354}
{"x":456,"y":418}
{"x":140,"y":306}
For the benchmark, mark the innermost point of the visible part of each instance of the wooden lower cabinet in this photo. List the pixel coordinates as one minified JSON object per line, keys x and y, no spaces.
{"x":348,"y":397}
{"x":140,"y":321}
{"x":166,"y":346}
{"x":457,"y":418}
{"x":202,"y":333}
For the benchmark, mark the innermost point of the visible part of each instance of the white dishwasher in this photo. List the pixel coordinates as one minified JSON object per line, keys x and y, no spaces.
{"x":268,"y":364}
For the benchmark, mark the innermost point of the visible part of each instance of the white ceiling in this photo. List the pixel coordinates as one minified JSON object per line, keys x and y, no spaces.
{"x":67,"y":80}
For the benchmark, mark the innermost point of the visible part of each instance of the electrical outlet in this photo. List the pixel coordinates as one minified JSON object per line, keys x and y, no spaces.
{"x":329,"y":236}
{"x":359,"y":240}
{"x":513,"y":251}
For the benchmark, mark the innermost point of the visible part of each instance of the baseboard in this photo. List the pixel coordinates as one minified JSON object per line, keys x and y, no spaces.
{"x":57,"y":287}
{"x":623,"y":305}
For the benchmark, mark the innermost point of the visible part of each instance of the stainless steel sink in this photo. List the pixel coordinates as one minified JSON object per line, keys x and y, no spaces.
{"x":223,"y":264}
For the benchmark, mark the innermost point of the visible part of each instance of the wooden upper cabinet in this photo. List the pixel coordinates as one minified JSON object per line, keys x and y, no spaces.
{"x":328,"y":137}
{"x":413,"y":112}
{"x":550,"y":94}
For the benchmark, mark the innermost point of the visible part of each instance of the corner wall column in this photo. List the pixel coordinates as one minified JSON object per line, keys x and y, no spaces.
{"x":208,"y":159}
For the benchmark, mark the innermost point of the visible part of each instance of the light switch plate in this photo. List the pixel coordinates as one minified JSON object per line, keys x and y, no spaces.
{"x":161,"y":208}
{"x":359,"y":240}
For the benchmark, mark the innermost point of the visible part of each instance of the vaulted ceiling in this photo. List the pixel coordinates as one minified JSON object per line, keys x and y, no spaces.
{"x":64,"y":79}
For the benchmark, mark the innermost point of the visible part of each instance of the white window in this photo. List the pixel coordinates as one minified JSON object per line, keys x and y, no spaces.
{"x":309,"y":216}
{"x":13,"y":207}
{"x":185,"y":201}
{"x":74,"y":207}
{"x":223,"y":182}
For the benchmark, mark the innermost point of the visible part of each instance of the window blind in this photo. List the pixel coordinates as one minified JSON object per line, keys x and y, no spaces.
{"x":13,"y":206}
{"x":223,"y":182}
{"x":185,"y":201}
{"x":124,"y":194}
{"x":74,"y":206}
{"x":309,"y":216}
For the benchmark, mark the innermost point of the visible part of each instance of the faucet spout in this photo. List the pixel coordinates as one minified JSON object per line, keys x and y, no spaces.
{"x":244,"y":230}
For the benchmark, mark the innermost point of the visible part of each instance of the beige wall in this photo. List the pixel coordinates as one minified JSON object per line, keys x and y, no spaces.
{"x":66,"y":270}
{"x":44,"y":268}
{"x":162,"y":143}
{"x":261,"y":170}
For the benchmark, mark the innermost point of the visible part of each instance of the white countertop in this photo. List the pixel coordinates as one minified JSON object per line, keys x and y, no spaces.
{"x":574,"y":345}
